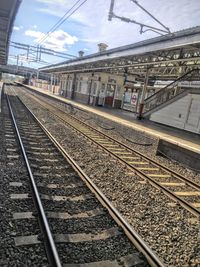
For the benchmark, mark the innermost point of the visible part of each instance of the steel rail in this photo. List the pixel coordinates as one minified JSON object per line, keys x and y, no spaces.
{"x":52,"y":253}
{"x":156,"y":184}
{"x":159,"y":165}
{"x":132,"y":235}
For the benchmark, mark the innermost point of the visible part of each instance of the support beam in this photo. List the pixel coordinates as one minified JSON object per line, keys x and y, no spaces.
{"x":144,"y":90}
{"x":51,"y":83}
{"x":90,"y":88}
{"x":73,"y":86}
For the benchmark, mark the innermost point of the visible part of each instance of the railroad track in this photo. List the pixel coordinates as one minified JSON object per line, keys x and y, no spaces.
{"x":80,"y":227}
{"x":18,"y":219}
{"x":177,"y":187}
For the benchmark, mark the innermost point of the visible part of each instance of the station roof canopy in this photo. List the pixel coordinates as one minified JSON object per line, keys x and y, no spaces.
{"x":8,"y":11}
{"x":166,"y":57}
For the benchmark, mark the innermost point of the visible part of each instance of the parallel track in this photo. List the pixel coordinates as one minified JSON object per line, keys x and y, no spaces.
{"x":52,"y":171}
{"x":179,"y":188}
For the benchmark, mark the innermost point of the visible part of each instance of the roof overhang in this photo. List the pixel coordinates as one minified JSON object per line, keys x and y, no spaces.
{"x":8,"y":11}
{"x":161,"y":54}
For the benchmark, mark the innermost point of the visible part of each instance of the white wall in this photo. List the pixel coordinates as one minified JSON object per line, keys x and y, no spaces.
{"x":183,"y":113}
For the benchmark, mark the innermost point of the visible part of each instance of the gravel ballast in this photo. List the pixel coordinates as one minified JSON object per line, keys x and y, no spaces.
{"x":79,"y":237}
{"x":168,"y":228}
{"x":14,"y":170}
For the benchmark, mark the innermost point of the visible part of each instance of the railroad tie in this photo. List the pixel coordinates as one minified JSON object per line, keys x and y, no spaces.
{"x":102,"y":140}
{"x":122,"y":153}
{"x":83,"y":237}
{"x":187,"y":193}
{"x":103,"y":143}
{"x":117,"y":149}
{"x":137,"y":162}
{"x":23,"y":215}
{"x":172,"y":184}
{"x":111,"y":145}
{"x":159,"y":175}
{"x":196,"y":204}
{"x":148,"y":169}
{"x":92,"y":136}
{"x":128,"y":157}
{"x":26,"y":240}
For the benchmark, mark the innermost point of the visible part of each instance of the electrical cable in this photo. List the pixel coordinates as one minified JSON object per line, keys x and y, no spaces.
{"x":62,"y":20}
{"x":134,"y":142}
{"x":113,"y":128}
{"x":160,"y":31}
{"x":52,"y":28}
{"x":73,"y":110}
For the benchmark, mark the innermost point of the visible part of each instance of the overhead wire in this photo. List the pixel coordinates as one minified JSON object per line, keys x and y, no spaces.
{"x":62,"y":20}
{"x":52,"y":28}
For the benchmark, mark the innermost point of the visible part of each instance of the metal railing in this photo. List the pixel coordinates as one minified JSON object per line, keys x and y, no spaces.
{"x":165,"y":94}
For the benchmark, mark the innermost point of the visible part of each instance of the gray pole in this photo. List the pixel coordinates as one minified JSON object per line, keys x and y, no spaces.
{"x":51,"y":82}
{"x":17,"y":61}
{"x":144,"y":90}
{"x":73,"y":86}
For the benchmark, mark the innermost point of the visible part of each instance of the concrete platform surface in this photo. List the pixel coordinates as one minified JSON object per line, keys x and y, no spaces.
{"x":177,"y":137}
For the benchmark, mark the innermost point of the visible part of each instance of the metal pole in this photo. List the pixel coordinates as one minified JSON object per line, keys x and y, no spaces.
{"x":136,"y":2}
{"x":115,"y":90}
{"x":73,"y":86}
{"x":51,"y":82}
{"x":54,"y":80}
{"x":144,"y":90}
{"x":90,"y":89}
{"x":17,"y":61}
{"x":110,"y":15}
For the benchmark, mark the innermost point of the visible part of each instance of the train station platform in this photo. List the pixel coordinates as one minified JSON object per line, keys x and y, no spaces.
{"x":176,"y":140}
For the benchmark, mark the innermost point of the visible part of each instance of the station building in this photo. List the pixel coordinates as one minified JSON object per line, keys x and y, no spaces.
{"x":157,"y":78}
{"x":99,"y":88}
{"x":103,"y":89}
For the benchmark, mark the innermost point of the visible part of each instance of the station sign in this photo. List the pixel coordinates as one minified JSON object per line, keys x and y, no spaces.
{"x":134,"y":99}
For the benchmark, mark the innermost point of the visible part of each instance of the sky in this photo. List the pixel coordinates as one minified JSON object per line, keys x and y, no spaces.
{"x":89,"y":25}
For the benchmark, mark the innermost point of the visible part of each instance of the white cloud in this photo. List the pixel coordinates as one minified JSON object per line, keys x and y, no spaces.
{"x":57,"y":40}
{"x":17,"y":28}
{"x":36,"y":34}
{"x":95,"y":28}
